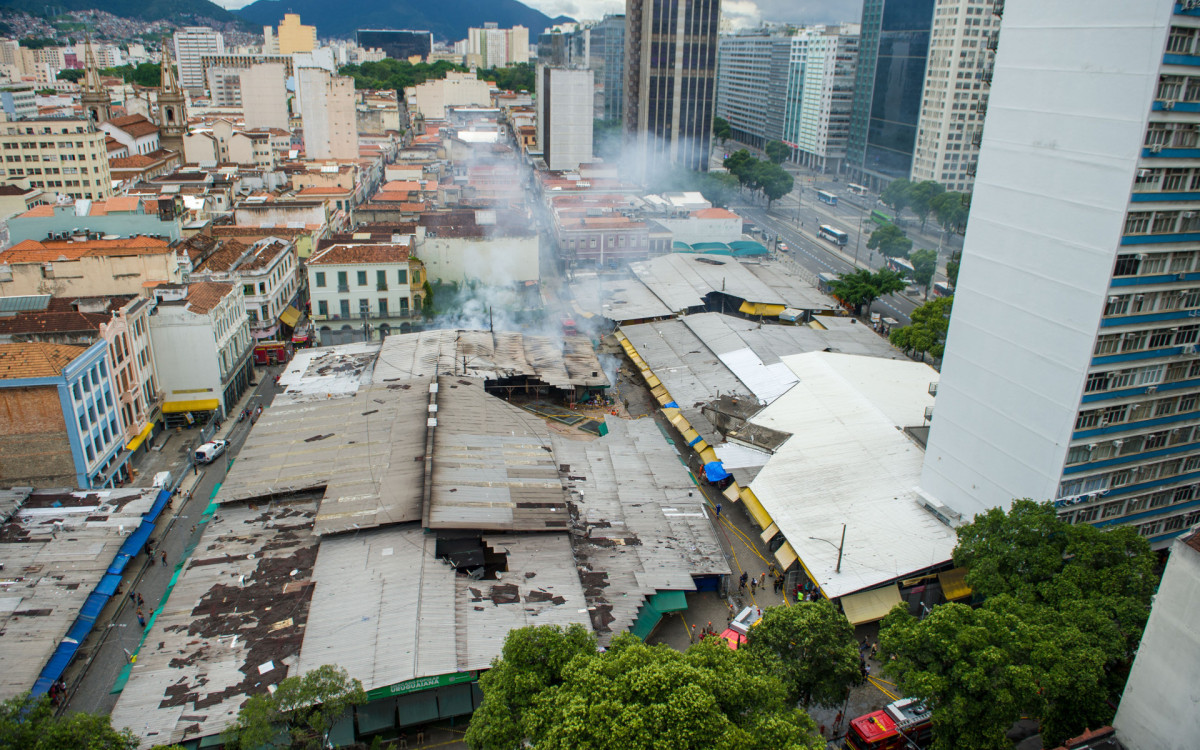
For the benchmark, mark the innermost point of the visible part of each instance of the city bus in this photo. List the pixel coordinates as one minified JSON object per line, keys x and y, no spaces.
{"x":942,"y":289}
{"x":856,"y":189}
{"x":836,"y":236}
{"x":901,"y":266}
{"x":880,"y":218}
{"x":826,"y":197}
{"x":900,"y":725}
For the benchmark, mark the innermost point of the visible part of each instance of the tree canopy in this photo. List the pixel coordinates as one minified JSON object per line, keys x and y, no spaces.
{"x":299,"y":714}
{"x":952,"y":267}
{"x":519,"y":77}
{"x":863,"y":287}
{"x":389,"y":73}
{"x":921,"y":196}
{"x":951,"y":211}
{"x":777,"y":151}
{"x":71,"y":74}
{"x":718,"y":188}
{"x":897,"y":195}
{"x":818,"y":659}
{"x":1063,"y":613}
{"x":927,"y":331}
{"x":721,"y":130}
{"x":147,"y":74}
{"x":924,"y":264}
{"x":890,"y":241}
{"x":30,"y":724}
{"x":554,"y":690}
{"x":773,"y":180}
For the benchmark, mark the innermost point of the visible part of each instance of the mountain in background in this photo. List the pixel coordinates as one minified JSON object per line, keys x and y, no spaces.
{"x":177,"y":11}
{"x":447,"y":19}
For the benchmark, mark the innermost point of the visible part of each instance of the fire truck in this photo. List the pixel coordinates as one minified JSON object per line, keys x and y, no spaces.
{"x":902,"y":725}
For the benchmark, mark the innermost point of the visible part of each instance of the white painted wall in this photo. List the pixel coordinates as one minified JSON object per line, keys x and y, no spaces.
{"x":1069,"y":104}
{"x":498,"y":261}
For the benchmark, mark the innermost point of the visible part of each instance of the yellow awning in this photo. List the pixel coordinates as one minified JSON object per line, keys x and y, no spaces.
{"x":954,"y":584}
{"x":203,"y":404}
{"x":289,"y":316}
{"x":769,"y":532}
{"x":731,"y":492}
{"x":140,"y":438}
{"x":869,"y":606}
{"x":786,"y":556}
{"x":755,"y":509}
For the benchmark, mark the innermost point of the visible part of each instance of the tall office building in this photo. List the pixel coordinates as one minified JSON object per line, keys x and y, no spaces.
{"x":564,"y":123}
{"x":957,"y":79}
{"x":887,"y":90}
{"x":670,"y":81}
{"x":1071,"y":373}
{"x":752,"y":85}
{"x":327,"y":111}
{"x":396,"y":44}
{"x":190,"y":43}
{"x":601,"y":47}
{"x":820,"y":95}
{"x":264,"y":96}
{"x":293,"y":36}
{"x":498,"y":48}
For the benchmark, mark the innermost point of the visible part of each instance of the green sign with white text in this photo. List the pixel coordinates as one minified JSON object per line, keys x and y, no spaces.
{"x":420,"y":683}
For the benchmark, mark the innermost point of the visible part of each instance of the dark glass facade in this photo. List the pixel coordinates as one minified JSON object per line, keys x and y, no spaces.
{"x":888,"y":87}
{"x":399,"y":45}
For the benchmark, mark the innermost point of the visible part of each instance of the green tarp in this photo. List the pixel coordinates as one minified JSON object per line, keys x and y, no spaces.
{"x":669,"y":601}
{"x":648,"y":618}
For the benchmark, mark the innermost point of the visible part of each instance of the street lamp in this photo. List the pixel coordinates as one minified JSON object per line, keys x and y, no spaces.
{"x":839,"y":546}
{"x":862,"y":220}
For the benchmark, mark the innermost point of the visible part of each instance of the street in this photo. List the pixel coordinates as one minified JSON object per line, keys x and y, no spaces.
{"x":117,"y":634}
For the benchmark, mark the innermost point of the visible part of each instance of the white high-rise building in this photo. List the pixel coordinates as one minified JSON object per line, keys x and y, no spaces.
{"x":752,"y":84}
{"x":821,"y":94}
{"x":957,"y":76}
{"x":190,"y":43}
{"x":564,"y":124}
{"x":498,"y":47}
{"x":264,"y":96}
{"x":327,"y":110}
{"x":1071,"y":373}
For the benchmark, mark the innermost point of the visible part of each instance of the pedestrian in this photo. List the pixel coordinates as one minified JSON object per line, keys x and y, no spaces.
{"x":874,"y":650}
{"x":718,"y":510}
{"x":163,"y":557}
{"x":753,"y":585}
{"x":692,"y":634}
{"x":141,"y":617}
{"x":730,"y":609}
{"x":141,"y":601}
{"x":133,"y":596}
{"x":762,"y":579}
{"x":866,"y":644}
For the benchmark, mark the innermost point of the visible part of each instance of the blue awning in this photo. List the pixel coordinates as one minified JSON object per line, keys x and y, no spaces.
{"x":714,"y":471}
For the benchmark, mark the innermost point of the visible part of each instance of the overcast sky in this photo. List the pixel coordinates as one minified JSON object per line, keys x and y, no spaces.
{"x":743,"y":12}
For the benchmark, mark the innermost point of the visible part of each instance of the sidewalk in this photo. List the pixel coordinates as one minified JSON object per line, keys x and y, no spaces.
{"x":113,"y":642}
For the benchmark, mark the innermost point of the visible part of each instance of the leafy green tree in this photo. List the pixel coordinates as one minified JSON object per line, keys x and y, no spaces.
{"x":299,"y":714}
{"x":30,"y":724}
{"x":924,"y":267}
{"x":721,"y":130}
{"x":639,"y":696}
{"x":890,"y":241}
{"x":1063,"y":614}
{"x":921,"y":196}
{"x":427,"y":309}
{"x":774,"y":181}
{"x":927,"y":331}
{"x":896,"y":195}
{"x":777,"y":151}
{"x":398,"y":75}
{"x":951,"y":211}
{"x":146,"y":74}
{"x":863,"y":287}
{"x":71,"y":74}
{"x":718,"y":188}
{"x":531,"y":661}
{"x":952,"y":267}
{"x":519,"y":77}
{"x":814,"y":644}
{"x":741,"y":165}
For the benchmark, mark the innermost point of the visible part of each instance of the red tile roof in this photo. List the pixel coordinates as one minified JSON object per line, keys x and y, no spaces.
{"x":203,"y":296}
{"x":347,"y":254}
{"x":48,"y":251}
{"x":35,"y":359}
{"x":52,"y":322}
{"x":135,"y":125}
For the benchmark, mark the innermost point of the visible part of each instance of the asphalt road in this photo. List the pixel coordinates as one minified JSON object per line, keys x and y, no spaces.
{"x":117,"y":634}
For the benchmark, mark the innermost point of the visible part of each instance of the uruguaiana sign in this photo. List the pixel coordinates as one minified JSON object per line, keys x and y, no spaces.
{"x":421,"y":683}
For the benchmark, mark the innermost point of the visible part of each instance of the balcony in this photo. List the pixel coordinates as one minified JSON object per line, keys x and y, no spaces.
{"x":381,"y":287}
{"x":993,"y":41}
{"x":933,"y":389}
{"x":343,"y":288}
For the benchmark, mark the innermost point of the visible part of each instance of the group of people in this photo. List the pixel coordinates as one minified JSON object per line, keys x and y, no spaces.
{"x":760,"y":581}
{"x":58,"y":692}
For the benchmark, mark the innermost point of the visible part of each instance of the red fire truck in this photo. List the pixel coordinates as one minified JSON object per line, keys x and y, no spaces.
{"x":903,"y":725}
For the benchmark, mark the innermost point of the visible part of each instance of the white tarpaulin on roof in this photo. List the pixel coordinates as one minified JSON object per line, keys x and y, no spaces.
{"x":767,"y":382}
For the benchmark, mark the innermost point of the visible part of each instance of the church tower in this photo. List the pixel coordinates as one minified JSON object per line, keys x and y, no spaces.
{"x":97,"y":105}
{"x":172,"y":107}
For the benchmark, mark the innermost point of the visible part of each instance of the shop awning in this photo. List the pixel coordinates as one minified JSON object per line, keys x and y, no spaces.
{"x":669,"y":601}
{"x":954,"y":584}
{"x":290,"y":316}
{"x":786,"y":556}
{"x":140,"y":438}
{"x":769,"y":532}
{"x":869,"y":606}
{"x":203,"y":404}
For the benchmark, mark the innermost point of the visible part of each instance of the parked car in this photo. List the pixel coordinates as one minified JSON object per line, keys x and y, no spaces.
{"x":210,"y":451}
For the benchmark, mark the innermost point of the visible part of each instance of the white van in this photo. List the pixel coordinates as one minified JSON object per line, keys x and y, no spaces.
{"x":210,"y":451}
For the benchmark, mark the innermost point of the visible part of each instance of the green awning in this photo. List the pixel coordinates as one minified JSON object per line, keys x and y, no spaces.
{"x":669,"y":601}
{"x":648,"y":618}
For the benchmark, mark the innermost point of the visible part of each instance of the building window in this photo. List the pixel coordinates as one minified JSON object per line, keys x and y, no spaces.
{"x":344,"y":308}
{"x":343,"y":284}
{"x":402,"y":277}
{"x":383,"y":306}
{"x":320,"y":278}
{"x":1138,"y":222}
{"x":323,"y":308}
{"x":362,"y":278}
{"x":381,"y":281}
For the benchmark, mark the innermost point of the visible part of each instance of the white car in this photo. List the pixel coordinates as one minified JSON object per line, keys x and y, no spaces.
{"x":210,"y":451}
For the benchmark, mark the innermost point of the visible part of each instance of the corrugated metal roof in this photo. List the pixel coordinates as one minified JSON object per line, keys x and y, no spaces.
{"x":682,"y":280}
{"x":26,"y":303}
{"x":618,"y":299}
{"x":639,"y":521}
{"x":847,"y":463}
{"x":55,"y":548}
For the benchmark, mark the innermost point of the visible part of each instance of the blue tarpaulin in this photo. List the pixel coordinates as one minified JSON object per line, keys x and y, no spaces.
{"x":714,"y":471}
{"x":670,"y":405}
{"x":696,"y":440}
